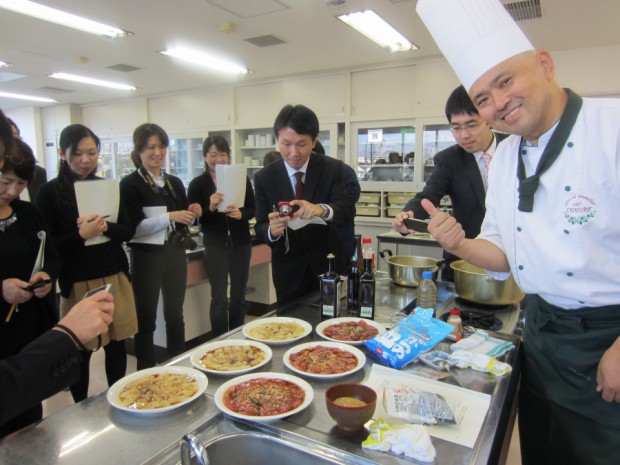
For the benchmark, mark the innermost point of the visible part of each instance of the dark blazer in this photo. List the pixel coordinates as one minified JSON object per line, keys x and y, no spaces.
{"x":456,"y":174}
{"x":295,"y":272}
{"x":39,"y":178}
{"x":44,"y":367}
{"x":218,"y":229}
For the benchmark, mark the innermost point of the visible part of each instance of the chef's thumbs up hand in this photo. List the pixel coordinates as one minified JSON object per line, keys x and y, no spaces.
{"x":443,"y":227}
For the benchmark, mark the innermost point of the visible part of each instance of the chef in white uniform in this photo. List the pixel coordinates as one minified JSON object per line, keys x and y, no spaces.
{"x":551,"y":221}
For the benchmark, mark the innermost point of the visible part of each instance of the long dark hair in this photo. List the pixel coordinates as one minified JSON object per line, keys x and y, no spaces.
{"x":141,"y":137}
{"x":70,"y":137}
{"x":220,"y":143}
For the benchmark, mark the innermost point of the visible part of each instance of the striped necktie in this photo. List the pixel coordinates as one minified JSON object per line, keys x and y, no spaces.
{"x":487,"y":161}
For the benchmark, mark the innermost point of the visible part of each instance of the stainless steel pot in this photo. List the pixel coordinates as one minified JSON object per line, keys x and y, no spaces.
{"x":476,"y":285}
{"x":406,"y":270}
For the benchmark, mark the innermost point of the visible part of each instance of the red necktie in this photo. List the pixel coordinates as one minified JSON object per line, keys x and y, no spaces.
{"x":299,"y":186}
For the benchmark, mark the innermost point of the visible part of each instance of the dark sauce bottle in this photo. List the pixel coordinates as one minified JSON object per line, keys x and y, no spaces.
{"x":330,"y":291}
{"x":367,"y":291}
{"x":353,"y":278}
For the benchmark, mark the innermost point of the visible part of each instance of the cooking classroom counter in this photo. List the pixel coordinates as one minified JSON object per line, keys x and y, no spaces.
{"x":95,"y":433}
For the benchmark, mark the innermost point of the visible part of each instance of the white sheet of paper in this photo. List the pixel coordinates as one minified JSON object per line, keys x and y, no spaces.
{"x":231,"y":180}
{"x":158,"y":237}
{"x":100,"y":197}
{"x":299,"y":223}
{"x":40,"y":261}
{"x":468,"y":407}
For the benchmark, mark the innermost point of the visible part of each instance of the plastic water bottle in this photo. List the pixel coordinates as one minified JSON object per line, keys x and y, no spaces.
{"x":368,"y":251}
{"x":427,"y":292}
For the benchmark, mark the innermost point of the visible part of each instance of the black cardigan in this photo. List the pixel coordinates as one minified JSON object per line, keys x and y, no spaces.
{"x":216,"y":225}
{"x":136,"y":194}
{"x":81,"y":263}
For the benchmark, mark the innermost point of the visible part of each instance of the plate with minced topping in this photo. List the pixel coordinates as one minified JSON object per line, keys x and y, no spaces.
{"x":231,"y":357}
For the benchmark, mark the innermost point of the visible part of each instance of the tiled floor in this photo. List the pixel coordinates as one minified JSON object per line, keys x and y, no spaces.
{"x":98,"y":384}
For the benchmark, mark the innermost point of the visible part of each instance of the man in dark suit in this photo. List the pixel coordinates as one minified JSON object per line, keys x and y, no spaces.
{"x":40,"y":175}
{"x":313,"y":184}
{"x":460,"y":172}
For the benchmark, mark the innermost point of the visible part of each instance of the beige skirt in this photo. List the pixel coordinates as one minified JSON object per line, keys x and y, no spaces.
{"x":125,"y":322}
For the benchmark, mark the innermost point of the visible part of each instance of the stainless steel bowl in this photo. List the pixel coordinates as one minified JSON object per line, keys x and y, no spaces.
{"x":476,"y":285}
{"x":406,"y":270}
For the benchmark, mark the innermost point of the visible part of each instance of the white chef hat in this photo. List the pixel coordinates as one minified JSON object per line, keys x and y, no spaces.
{"x":473,"y":35}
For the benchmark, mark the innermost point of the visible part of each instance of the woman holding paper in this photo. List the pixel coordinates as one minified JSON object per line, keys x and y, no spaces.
{"x":227,"y":238}
{"x":158,"y":208}
{"x":88,"y":227}
{"x":29,"y":263}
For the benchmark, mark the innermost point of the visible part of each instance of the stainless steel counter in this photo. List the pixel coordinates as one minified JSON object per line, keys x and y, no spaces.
{"x":93,"y":432}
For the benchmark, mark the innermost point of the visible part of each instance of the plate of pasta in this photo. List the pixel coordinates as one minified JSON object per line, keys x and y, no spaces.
{"x":277,"y":330}
{"x":231,"y":357}
{"x":157,"y":390}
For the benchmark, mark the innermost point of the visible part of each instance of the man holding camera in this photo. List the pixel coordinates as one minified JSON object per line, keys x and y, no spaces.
{"x":302,"y":185}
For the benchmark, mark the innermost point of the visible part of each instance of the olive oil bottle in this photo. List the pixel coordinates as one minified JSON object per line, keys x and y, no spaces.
{"x":367,"y":291}
{"x":330,"y":290}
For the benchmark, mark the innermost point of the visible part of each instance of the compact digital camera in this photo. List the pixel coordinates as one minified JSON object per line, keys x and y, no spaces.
{"x":285,"y":209}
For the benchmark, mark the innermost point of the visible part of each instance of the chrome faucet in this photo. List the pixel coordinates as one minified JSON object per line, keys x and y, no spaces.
{"x":189,"y":444}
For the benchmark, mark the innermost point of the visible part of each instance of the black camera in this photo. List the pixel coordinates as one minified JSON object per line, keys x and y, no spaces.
{"x":183,"y":239}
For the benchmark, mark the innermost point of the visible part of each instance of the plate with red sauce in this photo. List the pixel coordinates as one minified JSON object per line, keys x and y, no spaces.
{"x":324,"y":360}
{"x":264,"y":396}
{"x":350,"y":330}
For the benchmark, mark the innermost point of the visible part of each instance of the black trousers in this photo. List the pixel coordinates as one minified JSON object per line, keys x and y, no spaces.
{"x":162,"y":270}
{"x":562,"y":419}
{"x":222,"y":262}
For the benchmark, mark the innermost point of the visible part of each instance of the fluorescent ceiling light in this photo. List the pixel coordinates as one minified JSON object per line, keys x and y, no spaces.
{"x":91,"y":81}
{"x":376,"y":29}
{"x":27,"y":97}
{"x":4,"y":64}
{"x":205,"y":60}
{"x":36,"y":10}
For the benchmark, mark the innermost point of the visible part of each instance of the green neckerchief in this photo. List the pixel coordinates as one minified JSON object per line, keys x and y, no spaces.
{"x":528,"y":185}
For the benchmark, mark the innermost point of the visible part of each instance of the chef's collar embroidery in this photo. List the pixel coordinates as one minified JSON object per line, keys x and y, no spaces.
{"x":580,"y":209}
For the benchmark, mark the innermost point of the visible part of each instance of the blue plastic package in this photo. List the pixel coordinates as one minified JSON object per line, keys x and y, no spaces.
{"x":412,"y":336}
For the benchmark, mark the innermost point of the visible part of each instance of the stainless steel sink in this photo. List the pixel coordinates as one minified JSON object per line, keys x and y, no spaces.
{"x":237,"y":442}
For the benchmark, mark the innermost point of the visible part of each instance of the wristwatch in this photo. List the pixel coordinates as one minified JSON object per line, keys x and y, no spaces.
{"x":325,"y":213}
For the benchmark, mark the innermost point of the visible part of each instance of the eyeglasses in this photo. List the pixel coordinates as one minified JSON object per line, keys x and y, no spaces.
{"x":470,"y":127}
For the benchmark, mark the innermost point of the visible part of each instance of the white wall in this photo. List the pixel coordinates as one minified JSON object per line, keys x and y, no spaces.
{"x":402,"y":91}
{"x":28,"y":121}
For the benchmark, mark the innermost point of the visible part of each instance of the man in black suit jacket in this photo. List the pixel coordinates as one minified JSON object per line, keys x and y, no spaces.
{"x":299,"y":256}
{"x":459,"y":172}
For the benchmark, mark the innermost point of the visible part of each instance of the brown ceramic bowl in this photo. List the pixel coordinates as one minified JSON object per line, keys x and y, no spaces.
{"x":350,"y":418}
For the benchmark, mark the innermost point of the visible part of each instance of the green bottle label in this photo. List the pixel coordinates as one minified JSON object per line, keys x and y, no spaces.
{"x":328,"y":310}
{"x":366,"y":312}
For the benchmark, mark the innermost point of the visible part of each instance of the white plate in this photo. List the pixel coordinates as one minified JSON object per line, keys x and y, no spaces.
{"x":277,"y":319}
{"x":361,"y":358}
{"x":117,"y":387}
{"x":199,"y":353}
{"x":219,"y":395}
{"x":333,"y":321}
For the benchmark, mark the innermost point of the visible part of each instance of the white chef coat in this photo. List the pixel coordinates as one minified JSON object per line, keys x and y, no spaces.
{"x":568,"y":249}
